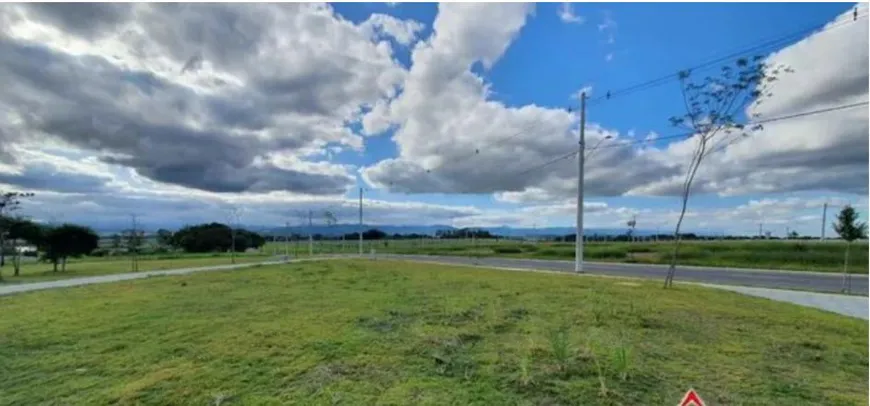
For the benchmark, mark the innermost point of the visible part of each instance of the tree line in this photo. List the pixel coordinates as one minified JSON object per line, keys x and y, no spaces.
{"x":199,"y":238}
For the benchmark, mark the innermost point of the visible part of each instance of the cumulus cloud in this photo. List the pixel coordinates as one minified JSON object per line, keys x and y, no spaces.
{"x":220,"y":103}
{"x":453,"y":138}
{"x":567,"y":14}
{"x":825,"y":152}
{"x":404,"y":31}
{"x":201,"y":96}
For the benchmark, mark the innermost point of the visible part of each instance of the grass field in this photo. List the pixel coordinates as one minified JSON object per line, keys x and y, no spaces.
{"x":776,"y":254}
{"x":91,"y":266}
{"x":390,"y":333}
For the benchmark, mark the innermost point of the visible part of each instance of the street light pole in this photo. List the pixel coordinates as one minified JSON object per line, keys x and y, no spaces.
{"x":578,"y":245}
{"x":360,"y":221}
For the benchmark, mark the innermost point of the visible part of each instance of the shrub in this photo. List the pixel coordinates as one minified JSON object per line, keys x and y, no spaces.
{"x":100,"y":252}
{"x":508,"y":250}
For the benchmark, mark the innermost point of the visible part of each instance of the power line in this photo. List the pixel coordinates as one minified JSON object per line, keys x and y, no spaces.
{"x":764,"y":121}
{"x":626,"y":144}
{"x":734,"y":55}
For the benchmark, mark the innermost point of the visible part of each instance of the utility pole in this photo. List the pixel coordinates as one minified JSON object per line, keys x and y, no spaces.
{"x":310,"y":237}
{"x":760,"y":234}
{"x":234,"y":215}
{"x":287,"y":239}
{"x":360,"y":222}
{"x":824,"y":219}
{"x":578,"y":245}
{"x":133,"y":245}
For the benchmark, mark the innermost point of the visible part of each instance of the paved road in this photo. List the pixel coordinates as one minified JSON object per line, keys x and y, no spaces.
{"x":760,"y":283}
{"x":809,"y":281}
{"x":63,"y":283}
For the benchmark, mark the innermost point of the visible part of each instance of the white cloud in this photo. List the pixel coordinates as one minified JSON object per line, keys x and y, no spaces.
{"x":168,"y":103}
{"x":458,"y":141}
{"x":186,"y":98}
{"x":404,"y":31}
{"x":567,"y":14}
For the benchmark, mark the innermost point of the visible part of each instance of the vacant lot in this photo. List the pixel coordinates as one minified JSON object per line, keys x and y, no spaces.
{"x":785,"y":255}
{"x":365,"y":332}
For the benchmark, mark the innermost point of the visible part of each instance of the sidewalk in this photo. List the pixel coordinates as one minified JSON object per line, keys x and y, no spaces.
{"x":853,"y":306}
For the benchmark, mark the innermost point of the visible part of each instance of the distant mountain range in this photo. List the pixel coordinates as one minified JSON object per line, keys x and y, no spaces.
{"x":339,"y":229}
{"x":505,"y":231}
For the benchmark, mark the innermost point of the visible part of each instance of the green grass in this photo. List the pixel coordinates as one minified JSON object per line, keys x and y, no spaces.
{"x":92,"y":266}
{"x":781,"y":255}
{"x":386,"y":332}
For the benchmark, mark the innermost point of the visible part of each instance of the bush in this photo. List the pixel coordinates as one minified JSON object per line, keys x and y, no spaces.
{"x":508,"y":250}
{"x":554,"y":252}
{"x":101,"y":252}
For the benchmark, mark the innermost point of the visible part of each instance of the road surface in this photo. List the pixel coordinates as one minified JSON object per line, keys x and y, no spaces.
{"x":774,"y":285}
{"x":793,"y":280}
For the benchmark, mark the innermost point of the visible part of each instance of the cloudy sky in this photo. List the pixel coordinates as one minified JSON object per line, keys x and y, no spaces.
{"x":443,"y":113}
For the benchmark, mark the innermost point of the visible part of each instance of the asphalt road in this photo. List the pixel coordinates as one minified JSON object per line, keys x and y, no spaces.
{"x":794,"y":280}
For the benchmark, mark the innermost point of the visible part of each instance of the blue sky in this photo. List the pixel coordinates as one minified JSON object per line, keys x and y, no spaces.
{"x":288,"y":108}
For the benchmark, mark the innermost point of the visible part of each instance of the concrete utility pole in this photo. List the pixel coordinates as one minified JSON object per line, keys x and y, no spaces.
{"x":578,"y":245}
{"x":133,"y":245}
{"x":360,"y":222}
{"x":824,"y":219}
{"x":287,"y":239}
{"x":310,"y":238}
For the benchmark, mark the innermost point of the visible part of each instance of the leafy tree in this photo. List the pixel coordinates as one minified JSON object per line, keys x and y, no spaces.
{"x":27,"y":231}
{"x":68,"y":240}
{"x":9,"y":203}
{"x":711,"y":118}
{"x":374,"y":234}
{"x":849,"y":229}
{"x":164,"y":238}
{"x":116,"y":241}
{"x":793,"y":235}
{"x":215,"y":237}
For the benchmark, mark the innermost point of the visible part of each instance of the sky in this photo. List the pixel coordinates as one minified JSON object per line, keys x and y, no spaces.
{"x":442,"y":113}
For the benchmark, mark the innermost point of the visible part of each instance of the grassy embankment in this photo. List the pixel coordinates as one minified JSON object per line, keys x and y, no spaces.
{"x":366,"y":332}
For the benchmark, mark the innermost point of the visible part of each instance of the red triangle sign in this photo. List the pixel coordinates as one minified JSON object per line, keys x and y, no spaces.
{"x":691,"y":398}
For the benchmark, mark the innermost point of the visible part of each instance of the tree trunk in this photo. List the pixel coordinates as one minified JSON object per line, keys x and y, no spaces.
{"x":54,"y":262}
{"x":846,"y":277}
{"x":2,"y":249}
{"x":16,"y":262}
{"x":687,"y":188}
{"x":63,"y":265}
{"x":672,"y":269}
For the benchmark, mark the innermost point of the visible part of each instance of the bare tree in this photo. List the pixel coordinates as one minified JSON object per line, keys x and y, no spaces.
{"x":849,"y":229}
{"x":234,"y":215}
{"x":331,"y":220}
{"x":9,"y":203}
{"x":133,"y":239}
{"x":712,"y":118}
